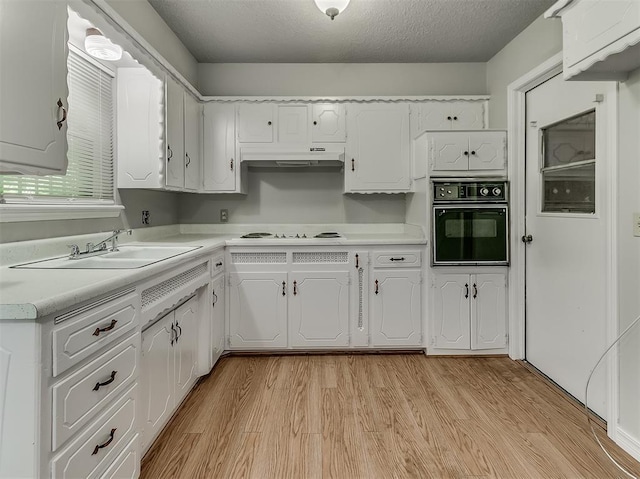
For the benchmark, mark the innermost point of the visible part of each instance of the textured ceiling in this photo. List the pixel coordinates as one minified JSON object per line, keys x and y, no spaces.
{"x":295,"y":31}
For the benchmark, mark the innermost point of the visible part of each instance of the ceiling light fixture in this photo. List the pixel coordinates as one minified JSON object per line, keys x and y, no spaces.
{"x":99,"y":46}
{"x":332,"y":7}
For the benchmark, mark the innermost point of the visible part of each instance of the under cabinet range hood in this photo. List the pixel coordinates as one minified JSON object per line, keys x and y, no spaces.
{"x":292,"y":157}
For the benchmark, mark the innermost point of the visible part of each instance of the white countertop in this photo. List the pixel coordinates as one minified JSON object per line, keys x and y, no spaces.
{"x":31,"y":294}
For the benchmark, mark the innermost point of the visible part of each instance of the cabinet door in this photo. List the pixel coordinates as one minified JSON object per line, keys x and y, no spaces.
{"x":449,"y":152}
{"x":33,"y":62}
{"x":219,"y":147}
{"x":378,"y":148}
{"x":435,"y":115}
{"x":328,"y":123}
{"x":450,"y":320}
{"x":258,"y":310}
{"x":157,"y":377}
{"x":293,"y":124}
{"x":319,"y":309}
{"x":192,"y":142}
{"x":467,"y":115}
{"x":217,"y":318}
{"x":487,"y":150}
{"x":396,"y":318}
{"x":174,"y":117}
{"x":186,"y":347}
{"x":488,"y":311}
{"x":255,"y":123}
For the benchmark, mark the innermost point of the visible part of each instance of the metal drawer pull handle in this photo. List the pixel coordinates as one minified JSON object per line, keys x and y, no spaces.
{"x":108,"y":381}
{"x":179,"y":335}
{"x":353,"y":164}
{"x":104,"y":330}
{"x":215,"y":299}
{"x":174,"y":334}
{"x":295,"y":288}
{"x":64,"y":113}
{"x":466,"y":290}
{"x":218,"y":264}
{"x":100,"y":446}
{"x":396,"y":259}
{"x":357,"y":260}
{"x":170,"y":153}
{"x":231,"y":164}
{"x":188,"y":160}
{"x":284,"y":285}
{"x":376,"y":291}
{"x":475,"y":291}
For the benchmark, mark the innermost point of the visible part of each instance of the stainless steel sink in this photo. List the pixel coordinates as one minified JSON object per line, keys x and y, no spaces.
{"x":127,"y":257}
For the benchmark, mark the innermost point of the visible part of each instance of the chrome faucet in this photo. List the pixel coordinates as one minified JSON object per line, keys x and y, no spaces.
{"x":98,"y":248}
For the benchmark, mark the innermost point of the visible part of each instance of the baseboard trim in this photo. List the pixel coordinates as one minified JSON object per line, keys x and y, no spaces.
{"x":626,"y":441}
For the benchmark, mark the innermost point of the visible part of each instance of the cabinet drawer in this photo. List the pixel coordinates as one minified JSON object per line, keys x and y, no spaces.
{"x":396,"y":259}
{"x":88,"y":330}
{"x":94,"y":450}
{"x":127,"y":464}
{"x":217,"y":265}
{"x":78,"y":398}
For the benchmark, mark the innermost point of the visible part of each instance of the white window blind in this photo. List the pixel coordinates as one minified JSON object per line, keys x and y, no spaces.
{"x":90,"y":174}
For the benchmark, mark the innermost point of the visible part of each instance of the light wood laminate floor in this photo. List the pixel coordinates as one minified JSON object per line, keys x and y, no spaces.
{"x":377,"y":416}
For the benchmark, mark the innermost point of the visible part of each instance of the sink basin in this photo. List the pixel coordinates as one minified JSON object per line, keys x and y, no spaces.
{"x":127,"y":257}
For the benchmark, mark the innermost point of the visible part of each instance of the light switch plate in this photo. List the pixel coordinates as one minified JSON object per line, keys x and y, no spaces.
{"x":636,"y":224}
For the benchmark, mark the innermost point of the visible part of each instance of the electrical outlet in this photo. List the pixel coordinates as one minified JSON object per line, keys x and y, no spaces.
{"x":146,"y":217}
{"x":224,"y":216}
{"x":636,"y":224}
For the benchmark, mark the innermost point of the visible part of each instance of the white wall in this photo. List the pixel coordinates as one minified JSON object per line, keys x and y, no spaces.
{"x":342,"y":79}
{"x":146,"y":21}
{"x":535,"y":44}
{"x":276,"y":196}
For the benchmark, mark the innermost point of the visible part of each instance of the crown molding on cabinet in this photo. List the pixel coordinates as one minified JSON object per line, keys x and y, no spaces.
{"x":342,"y":99}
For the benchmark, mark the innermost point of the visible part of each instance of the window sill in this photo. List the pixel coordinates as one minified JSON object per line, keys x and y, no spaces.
{"x":15,"y":213}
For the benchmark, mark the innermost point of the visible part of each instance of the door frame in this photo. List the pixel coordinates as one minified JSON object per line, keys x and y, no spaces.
{"x":516,"y":131}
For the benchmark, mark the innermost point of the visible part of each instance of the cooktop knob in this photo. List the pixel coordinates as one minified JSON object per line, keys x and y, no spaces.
{"x":497,"y":191}
{"x":442,"y":194}
{"x":484,"y":191}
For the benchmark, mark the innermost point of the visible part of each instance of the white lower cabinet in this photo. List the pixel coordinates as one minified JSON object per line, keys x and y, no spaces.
{"x":169,"y":352}
{"x":127,"y":464}
{"x":469,"y":311}
{"x":217,"y":318}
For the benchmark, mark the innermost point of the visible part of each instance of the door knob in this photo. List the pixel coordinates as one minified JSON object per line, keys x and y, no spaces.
{"x":527,"y":239}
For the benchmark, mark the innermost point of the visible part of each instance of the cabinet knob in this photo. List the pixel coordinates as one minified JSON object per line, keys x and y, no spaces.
{"x":455,"y":118}
{"x":269,"y":123}
{"x":449,"y":118}
{"x":473,"y":152}
{"x":466,"y":153}
{"x":315,"y":122}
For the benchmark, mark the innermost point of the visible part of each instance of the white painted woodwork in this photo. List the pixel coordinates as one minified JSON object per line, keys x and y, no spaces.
{"x":396,"y":259}
{"x":157,"y":378}
{"x":328,"y":123}
{"x":139,"y":126}
{"x":451,"y":115}
{"x":601,"y":38}
{"x":127,"y":464}
{"x":217,"y":318}
{"x":447,"y":152}
{"x":396,"y":318}
{"x":186,"y":348}
{"x":75,"y":400}
{"x":319,"y":309}
{"x":33,"y":62}
{"x":174,"y":121}
{"x":255,"y":123}
{"x":192,"y":142}
{"x":293,"y":124}
{"x":378,"y":148}
{"x":258,"y":309}
{"x":360,"y":299}
{"x":220,"y":165}
{"x":75,"y":338}
{"x":476,"y":152}
{"x":77,"y":460}
{"x":487,"y":150}
{"x":451,"y":310}
{"x":488,"y":311}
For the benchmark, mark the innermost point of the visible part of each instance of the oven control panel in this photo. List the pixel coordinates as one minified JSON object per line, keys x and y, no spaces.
{"x":470,"y":191}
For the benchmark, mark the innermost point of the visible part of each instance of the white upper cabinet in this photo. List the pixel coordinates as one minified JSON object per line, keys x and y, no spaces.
{"x":601,"y":38}
{"x":220,"y":165}
{"x":479,"y":153}
{"x":33,"y":87}
{"x":255,"y":123}
{"x":328,"y":123}
{"x":174,"y":121}
{"x":378,"y":148}
{"x":451,"y":115}
{"x":293,"y":124}
{"x":192,"y":142}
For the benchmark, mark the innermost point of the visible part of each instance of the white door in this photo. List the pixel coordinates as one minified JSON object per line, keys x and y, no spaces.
{"x":258,"y":310}
{"x":319,"y":309}
{"x":255,"y":123}
{"x":487,"y":150}
{"x":488,"y":311}
{"x":192,"y":129}
{"x":174,"y":117}
{"x":449,"y":152}
{"x":217,"y":318}
{"x":451,"y":313}
{"x":435,"y":115}
{"x":33,"y":62}
{"x":186,"y":347}
{"x":219,"y":147}
{"x":293,"y":124}
{"x":328,"y":123}
{"x":157,"y":377}
{"x":467,"y":115}
{"x":395,"y":315}
{"x":566,"y":261}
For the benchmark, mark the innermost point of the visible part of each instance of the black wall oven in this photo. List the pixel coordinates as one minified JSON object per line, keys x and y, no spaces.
{"x":470,"y":223}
